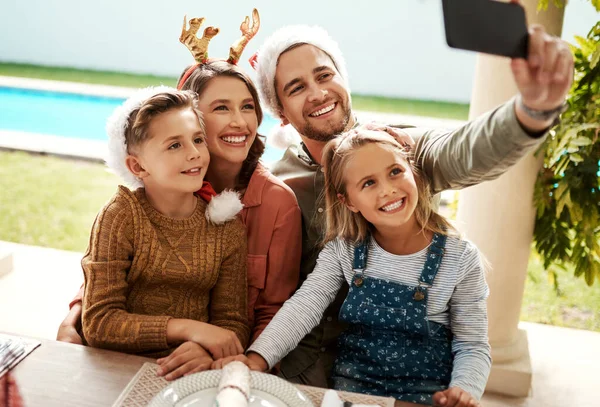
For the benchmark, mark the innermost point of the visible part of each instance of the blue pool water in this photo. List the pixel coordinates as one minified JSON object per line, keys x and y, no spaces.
{"x":72,"y":115}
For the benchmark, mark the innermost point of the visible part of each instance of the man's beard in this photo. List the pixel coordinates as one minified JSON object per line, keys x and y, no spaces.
{"x":331,"y":130}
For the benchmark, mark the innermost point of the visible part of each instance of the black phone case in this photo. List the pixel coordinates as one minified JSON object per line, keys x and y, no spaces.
{"x":486,"y":26}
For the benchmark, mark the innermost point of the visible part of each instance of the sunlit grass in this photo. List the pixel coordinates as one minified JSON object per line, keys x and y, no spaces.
{"x":84,"y":76}
{"x":49,"y":201}
{"x":575,"y":305}
{"x":446,"y":110}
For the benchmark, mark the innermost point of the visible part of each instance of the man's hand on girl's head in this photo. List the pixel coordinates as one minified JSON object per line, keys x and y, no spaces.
{"x":401,"y":136}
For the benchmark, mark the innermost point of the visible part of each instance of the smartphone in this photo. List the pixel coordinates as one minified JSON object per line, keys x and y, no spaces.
{"x":487,"y":26}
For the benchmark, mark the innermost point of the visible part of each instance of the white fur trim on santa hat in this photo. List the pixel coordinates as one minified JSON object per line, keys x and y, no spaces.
{"x":282,"y":137}
{"x":115,"y":129}
{"x":224,"y":207}
{"x":279,"y":41}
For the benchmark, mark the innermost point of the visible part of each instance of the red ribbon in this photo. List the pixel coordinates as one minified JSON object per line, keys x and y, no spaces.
{"x":186,"y":76}
{"x":206,"y":192}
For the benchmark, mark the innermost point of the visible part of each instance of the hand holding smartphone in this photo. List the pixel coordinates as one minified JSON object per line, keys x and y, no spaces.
{"x":542,"y":64}
{"x":487,"y":26}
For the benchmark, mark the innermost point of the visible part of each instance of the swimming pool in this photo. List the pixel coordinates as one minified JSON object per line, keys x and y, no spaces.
{"x":72,"y":115}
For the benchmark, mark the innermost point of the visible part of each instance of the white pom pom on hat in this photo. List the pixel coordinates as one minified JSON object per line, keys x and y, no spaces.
{"x":282,"y":137}
{"x":224,"y":207}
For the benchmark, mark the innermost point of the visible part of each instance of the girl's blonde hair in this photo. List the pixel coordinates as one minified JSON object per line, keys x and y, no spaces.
{"x":341,"y":222}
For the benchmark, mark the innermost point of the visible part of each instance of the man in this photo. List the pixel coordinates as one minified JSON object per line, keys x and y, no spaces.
{"x":303,"y":80}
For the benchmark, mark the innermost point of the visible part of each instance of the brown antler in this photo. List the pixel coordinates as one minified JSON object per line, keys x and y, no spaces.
{"x":197,"y":46}
{"x":248,"y":32}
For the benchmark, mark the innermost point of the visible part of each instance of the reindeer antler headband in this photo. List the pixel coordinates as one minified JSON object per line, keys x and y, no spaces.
{"x":199,"y":46}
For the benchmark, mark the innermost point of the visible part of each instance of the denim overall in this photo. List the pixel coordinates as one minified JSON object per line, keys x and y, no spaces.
{"x":391,"y":348}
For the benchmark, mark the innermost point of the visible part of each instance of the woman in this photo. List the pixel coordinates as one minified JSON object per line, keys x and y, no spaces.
{"x":231,"y":111}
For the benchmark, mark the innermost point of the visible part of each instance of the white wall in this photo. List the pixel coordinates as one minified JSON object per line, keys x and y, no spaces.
{"x":393,"y":47}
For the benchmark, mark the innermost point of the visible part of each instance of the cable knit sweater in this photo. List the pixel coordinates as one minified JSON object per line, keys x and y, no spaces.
{"x":142,"y":268}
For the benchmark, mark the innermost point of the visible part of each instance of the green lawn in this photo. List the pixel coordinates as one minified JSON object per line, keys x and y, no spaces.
{"x":49,"y":201}
{"x":445,"y":110}
{"x":575,"y":306}
{"x":56,"y":210}
{"x":84,"y":76}
{"x":458,"y":111}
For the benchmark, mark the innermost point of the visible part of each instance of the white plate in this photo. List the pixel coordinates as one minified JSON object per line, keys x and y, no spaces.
{"x":200,"y":389}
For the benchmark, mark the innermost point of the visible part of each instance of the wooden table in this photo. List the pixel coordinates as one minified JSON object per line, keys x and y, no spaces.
{"x":59,"y":374}
{"x":63,"y":375}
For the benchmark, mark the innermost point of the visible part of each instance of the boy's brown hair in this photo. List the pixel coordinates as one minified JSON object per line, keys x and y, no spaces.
{"x":139,"y":120}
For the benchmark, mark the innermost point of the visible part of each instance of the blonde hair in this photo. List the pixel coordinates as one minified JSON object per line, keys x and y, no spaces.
{"x":139,"y":119}
{"x":341,"y":222}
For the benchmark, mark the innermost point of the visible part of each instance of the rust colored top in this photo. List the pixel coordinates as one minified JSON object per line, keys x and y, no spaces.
{"x":142,"y":268}
{"x":274,"y":227}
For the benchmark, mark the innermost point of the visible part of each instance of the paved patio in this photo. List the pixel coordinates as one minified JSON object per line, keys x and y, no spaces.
{"x":36,"y":285}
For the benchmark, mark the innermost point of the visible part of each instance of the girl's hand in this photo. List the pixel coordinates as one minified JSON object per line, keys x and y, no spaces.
{"x":220,"y":342}
{"x":254,"y":362}
{"x":188,"y":358}
{"x":220,"y":363}
{"x":454,"y":397}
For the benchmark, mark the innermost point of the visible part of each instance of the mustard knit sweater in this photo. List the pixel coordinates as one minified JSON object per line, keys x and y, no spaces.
{"x":142,"y":268}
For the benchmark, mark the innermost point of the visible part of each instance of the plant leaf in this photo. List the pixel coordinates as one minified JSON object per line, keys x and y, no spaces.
{"x":580,"y":142}
{"x":586,"y":46}
{"x":567,"y":196}
{"x":576,"y":158}
{"x":595,"y":56}
{"x":590,"y":275}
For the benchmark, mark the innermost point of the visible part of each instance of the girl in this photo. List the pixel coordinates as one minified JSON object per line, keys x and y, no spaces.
{"x":417,"y":303}
{"x":161,"y":268}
